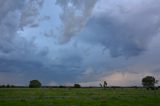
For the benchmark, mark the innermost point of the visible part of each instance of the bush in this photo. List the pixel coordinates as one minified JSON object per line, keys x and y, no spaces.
{"x":149,"y":82}
{"x":34,"y":84}
{"x":8,"y":86}
{"x":61,"y":86}
{"x":77,"y":86}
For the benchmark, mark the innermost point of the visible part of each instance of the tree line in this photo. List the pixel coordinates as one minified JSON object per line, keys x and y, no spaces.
{"x":148,"y":82}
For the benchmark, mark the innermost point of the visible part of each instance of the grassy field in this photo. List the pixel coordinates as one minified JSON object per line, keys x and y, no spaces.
{"x":79,"y":97}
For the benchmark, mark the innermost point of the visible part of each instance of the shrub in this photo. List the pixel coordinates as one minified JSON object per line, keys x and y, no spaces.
{"x":77,"y":86}
{"x":34,"y":84}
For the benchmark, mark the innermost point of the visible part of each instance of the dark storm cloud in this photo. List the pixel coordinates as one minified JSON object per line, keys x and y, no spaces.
{"x":16,"y":52}
{"x":13,"y":65}
{"x":8,"y":6}
{"x":126,"y":34}
{"x":64,"y":69}
{"x":122,"y":30}
{"x":8,"y":22}
{"x":18,"y":55}
{"x":13,"y":16}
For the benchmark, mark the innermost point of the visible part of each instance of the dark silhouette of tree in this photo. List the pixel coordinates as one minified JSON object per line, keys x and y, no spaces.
{"x":77,"y":86}
{"x":149,"y":82}
{"x":62,"y":86}
{"x":104,"y":85}
{"x":101,"y":85}
{"x":34,"y":84}
{"x":7,"y":86}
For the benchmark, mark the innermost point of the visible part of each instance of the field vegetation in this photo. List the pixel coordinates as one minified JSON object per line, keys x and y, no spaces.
{"x":79,"y":97}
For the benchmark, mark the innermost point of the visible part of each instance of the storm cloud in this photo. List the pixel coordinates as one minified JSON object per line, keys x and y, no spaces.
{"x":124,"y":33}
{"x":14,"y":15}
{"x":83,"y":41}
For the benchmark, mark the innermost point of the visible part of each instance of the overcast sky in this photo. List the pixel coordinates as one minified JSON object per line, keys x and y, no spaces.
{"x":62,"y":42}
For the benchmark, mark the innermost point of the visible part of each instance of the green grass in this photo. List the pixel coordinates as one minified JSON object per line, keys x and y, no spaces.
{"x":79,"y":97}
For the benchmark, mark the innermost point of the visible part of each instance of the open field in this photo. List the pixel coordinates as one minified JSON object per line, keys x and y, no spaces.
{"x":79,"y":97}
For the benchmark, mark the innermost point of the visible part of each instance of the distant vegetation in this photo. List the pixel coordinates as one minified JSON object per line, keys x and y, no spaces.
{"x":34,"y":84}
{"x":76,"y":95}
{"x":104,"y":85}
{"x":7,"y":86}
{"x":148,"y":82}
{"x":77,"y":86}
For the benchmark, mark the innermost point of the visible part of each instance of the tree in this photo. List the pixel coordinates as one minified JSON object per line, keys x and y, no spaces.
{"x":149,"y":82}
{"x":101,"y":85}
{"x":104,"y":85}
{"x":77,"y":85}
{"x":34,"y":84}
{"x":7,"y":85}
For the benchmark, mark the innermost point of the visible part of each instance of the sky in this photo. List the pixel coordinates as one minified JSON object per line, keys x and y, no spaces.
{"x":62,"y":42}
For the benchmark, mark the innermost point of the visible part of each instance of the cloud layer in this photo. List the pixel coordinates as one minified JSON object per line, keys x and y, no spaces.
{"x":124,"y":31}
{"x":79,"y":41}
{"x":75,"y":14}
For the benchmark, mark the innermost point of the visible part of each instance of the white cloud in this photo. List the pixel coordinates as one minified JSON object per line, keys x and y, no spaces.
{"x":75,"y":14}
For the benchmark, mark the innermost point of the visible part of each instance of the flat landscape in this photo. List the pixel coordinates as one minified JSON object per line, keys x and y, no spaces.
{"x":79,"y":97}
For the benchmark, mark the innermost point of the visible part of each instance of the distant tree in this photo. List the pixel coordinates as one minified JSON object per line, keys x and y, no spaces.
{"x":12,"y":86}
{"x":101,"y":85}
{"x":62,"y":86}
{"x":7,"y":85}
{"x":77,"y":85}
{"x":149,"y":82}
{"x":3,"y":86}
{"x":34,"y":84}
{"x":104,"y":85}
